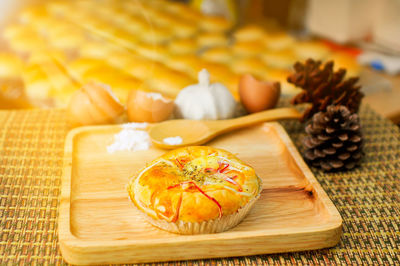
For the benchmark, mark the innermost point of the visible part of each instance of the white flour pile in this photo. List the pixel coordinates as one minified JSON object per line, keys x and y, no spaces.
{"x":134,"y":125}
{"x":131,"y":139}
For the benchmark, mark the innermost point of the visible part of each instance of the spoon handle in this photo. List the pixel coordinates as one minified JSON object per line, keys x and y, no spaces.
{"x":264,"y":116}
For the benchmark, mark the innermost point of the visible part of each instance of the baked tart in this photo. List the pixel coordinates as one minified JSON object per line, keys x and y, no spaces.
{"x":195,"y":190}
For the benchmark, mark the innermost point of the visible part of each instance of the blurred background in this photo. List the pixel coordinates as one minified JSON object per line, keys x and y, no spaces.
{"x":49,"y":49}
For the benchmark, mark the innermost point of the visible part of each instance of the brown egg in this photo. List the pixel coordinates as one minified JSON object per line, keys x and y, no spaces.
{"x":148,"y":107}
{"x":258,"y":95}
{"x":94,"y":104}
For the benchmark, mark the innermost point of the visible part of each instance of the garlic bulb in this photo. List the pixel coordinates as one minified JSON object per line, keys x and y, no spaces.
{"x":205,"y":101}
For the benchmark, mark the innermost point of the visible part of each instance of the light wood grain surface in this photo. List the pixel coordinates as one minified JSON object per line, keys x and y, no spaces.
{"x":98,"y":224}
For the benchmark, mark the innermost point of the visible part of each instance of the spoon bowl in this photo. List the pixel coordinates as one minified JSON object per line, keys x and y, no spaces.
{"x":192,"y":132}
{"x":197,"y":132}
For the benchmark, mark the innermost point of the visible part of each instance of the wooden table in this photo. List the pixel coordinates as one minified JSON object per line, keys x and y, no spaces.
{"x":386,"y":102}
{"x":31,"y":162}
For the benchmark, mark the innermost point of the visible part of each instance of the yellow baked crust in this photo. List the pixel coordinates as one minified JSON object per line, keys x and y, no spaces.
{"x":194,"y":184}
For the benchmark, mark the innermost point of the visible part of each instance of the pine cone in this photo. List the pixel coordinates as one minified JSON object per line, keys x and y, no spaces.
{"x":322,"y":87}
{"x":334,"y":139}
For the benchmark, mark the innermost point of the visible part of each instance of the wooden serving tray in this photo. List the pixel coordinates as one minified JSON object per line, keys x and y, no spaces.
{"x":98,"y":224}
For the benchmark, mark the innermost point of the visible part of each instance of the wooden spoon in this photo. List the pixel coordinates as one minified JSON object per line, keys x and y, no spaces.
{"x":196,"y":132}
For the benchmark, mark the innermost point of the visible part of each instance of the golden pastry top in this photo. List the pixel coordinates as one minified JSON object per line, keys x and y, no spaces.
{"x":252,"y":65}
{"x":153,"y":51}
{"x":10,"y":65}
{"x":311,"y":49}
{"x":194,"y":184}
{"x":218,"y":55}
{"x":185,"y":63}
{"x":283,"y":59}
{"x":184,"y":29}
{"x":248,"y":48}
{"x":169,"y":82}
{"x":86,"y":36}
{"x":278,"y":41}
{"x":215,"y":24}
{"x":249,"y":33}
{"x":157,"y":35}
{"x":183,"y":46}
{"x":32,"y":14}
{"x":212,"y":39}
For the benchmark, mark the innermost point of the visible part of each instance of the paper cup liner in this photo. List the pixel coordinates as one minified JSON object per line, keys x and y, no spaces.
{"x":207,"y":227}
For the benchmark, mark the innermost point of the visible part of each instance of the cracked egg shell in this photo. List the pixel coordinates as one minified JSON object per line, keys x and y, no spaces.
{"x":258,"y":95}
{"x":94,"y":104}
{"x":148,"y":107}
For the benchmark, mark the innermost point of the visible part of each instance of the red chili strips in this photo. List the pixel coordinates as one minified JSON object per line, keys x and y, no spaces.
{"x":230,"y":180}
{"x":178,"y":207}
{"x":179,"y":185}
{"x":210,"y":170}
{"x":210,"y":198}
{"x":202,"y":192}
{"x":179,"y":164}
{"x":223,"y":169}
{"x":174,"y":218}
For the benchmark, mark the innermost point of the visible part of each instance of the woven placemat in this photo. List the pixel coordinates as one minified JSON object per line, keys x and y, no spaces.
{"x":31,"y":157}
